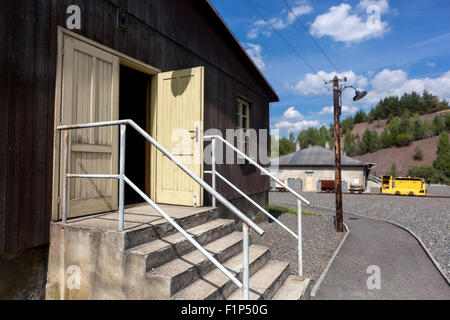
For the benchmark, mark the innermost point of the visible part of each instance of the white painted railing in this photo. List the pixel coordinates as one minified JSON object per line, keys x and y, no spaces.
{"x":123,"y":179}
{"x":300,"y":199}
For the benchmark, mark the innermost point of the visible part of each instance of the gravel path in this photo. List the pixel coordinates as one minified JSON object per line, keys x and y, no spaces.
{"x":428,"y":218}
{"x":319,"y":243}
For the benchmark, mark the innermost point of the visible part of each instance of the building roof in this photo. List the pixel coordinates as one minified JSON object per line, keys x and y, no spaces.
{"x":317,"y":156}
{"x":273,"y":95}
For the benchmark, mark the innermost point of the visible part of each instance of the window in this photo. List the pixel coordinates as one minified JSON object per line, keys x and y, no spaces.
{"x":243,"y":124}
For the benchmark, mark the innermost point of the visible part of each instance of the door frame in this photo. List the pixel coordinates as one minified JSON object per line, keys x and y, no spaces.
{"x":124,"y":60}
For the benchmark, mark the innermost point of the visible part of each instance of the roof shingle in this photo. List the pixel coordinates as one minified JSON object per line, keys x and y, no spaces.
{"x":317,"y":156}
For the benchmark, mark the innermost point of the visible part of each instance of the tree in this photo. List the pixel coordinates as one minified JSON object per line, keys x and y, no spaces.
{"x":437,"y":125}
{"x":349,"y":143}
{"x":418,"y":154}
{"x":291,"y":137}
{"x":447,"y":122}
{"x":324,"y":137}
{"x":404,"y":140}
{"x":427,"y":172}
{"x":386,"y":139}
{"x":360,"y":117}
{"x":285,"y":146}
{"x":393,"y":171}
{"x":370,"y":141}
{"x":309,"y":137}
{"x":417,"y":129}
{"x":442,"y":162}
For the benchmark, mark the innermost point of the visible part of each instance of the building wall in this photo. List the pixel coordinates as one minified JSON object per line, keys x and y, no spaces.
{"x":168,"y":35}
{"x":23,"y":274}
{"x":320,"y":173}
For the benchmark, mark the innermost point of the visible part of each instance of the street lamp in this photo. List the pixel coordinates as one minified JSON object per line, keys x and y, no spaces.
{"x":337,"y":98}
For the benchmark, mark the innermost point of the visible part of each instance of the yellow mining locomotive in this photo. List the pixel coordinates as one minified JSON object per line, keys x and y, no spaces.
{"x":403,"y":186}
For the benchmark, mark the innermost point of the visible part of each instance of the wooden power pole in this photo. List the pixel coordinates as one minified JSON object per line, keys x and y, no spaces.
{"x":337,"y":153}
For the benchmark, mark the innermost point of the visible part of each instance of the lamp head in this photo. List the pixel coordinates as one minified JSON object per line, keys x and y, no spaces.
{"x":359,"y":95}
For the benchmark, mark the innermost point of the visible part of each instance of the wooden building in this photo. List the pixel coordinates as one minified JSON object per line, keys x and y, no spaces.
{"x":164,"y":64}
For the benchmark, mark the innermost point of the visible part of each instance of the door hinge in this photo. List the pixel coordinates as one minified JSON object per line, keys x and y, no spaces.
{"x":58,"y":200}
{"x":62,"y":52}
{"x":195,"y":200}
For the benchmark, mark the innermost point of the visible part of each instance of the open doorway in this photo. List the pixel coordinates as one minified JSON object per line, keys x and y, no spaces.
{"x":134,"y":104}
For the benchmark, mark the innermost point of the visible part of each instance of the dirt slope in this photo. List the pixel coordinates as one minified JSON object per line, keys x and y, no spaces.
{"x":403,"y":157}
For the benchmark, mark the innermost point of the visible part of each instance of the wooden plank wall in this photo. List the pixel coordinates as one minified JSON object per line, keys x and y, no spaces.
{"x":168,"y":34}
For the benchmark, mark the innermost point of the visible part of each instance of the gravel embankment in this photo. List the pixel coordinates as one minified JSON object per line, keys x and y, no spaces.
{"x":319,"y":242}
{"x":428,"y":218}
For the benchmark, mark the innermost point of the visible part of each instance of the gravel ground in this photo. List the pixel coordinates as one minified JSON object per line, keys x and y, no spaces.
{"x":428,"y":218}
{"x":319,"y":242}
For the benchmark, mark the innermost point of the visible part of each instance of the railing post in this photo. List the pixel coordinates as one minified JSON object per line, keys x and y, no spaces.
{"x":245,"y":254}
{"x":65,"y":171}
{"x":123,"y":129}
{"x":300,"y":247}
{"x":213,"y":168}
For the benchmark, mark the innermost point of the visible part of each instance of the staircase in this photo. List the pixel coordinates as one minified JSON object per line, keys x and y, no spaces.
{"x":156,"y":262}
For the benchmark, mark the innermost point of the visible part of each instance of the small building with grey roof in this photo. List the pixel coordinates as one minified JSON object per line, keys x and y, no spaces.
{"x":305,"y":169}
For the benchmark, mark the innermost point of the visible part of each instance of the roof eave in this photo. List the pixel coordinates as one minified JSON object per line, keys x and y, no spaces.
{"x":273,"y":95}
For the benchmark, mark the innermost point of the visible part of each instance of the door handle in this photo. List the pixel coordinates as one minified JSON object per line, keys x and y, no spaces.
{"x":196,"y":134}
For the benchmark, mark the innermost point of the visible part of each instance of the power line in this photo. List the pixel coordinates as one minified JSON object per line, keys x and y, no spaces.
{"x":312,"y":38}
{"x":284,"y":39}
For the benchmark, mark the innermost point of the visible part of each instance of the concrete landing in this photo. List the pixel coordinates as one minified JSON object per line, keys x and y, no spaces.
{"x":136,"y":217}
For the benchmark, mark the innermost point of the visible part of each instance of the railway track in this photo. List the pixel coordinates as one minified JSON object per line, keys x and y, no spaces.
{"x":391,"y":195}
{"x":379,"y":194}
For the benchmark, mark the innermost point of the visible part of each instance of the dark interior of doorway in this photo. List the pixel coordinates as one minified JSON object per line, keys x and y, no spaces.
{"x":133,"y":105}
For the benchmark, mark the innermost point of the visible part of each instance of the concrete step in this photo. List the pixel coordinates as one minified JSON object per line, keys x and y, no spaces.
{"x":180,"y":273}
{"x":158,"y":228}
{"x":265,"y":283}
{"x":161,"y":251}
{"x":215,"y":285}
{"x":292,"y":289}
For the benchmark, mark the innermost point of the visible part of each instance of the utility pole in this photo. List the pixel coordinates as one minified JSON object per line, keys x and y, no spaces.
{"x":337,"y":154}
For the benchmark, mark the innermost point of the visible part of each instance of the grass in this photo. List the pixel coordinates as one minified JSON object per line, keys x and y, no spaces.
{"x":274,"y":209}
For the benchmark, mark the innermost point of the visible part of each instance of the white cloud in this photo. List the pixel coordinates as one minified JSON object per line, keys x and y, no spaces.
{"x":296,"y":126}
{"x":285,"y":19}
{"x":345,"y":110}
{"x":396,"y":83}
{"x":342,"y":25}
{"x":313,"y":84}
{"x":431,"y":64}
{"x":292,"y":114}
{"x":255,"y":52}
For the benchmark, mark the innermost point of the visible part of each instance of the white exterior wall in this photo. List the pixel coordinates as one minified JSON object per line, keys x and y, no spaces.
{"x":349,"y":174}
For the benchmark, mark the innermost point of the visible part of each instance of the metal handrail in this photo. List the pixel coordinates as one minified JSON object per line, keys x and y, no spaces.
{"x":123,"y":179}
{"x":253,"y":162}
{"x":300,"y":199}
{"x":253,"y":202}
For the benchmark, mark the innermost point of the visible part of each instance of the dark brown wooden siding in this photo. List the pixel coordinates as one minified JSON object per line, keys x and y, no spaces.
{"x":168,"y":35}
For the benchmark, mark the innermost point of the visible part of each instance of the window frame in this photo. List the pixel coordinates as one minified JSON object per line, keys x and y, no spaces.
{"x":242,"y":142}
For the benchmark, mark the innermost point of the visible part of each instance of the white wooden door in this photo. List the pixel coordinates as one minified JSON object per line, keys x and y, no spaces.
{"x":90,"y":93}
{"x":178,"y":126}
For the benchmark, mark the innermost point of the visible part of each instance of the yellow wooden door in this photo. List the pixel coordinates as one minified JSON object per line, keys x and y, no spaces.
{"x":309,"y":182}
{"x":178,"y":126}
{"x":90,"y":93}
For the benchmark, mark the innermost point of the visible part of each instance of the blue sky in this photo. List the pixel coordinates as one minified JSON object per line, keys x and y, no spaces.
{"x":407,"y":49}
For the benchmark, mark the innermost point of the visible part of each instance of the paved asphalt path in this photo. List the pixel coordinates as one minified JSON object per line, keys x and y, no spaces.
{"x":406,"y":270}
